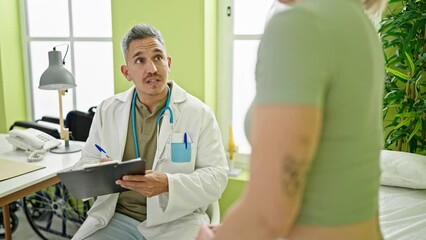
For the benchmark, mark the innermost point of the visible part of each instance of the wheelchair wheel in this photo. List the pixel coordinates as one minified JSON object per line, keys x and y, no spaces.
{"x":14,"y":221}
{"x":53,"y":213}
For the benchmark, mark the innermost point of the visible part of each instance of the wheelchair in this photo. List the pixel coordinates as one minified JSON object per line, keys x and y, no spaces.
{"x":53,"y":213}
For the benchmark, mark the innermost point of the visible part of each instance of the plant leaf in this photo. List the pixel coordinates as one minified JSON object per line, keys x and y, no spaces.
{"x":411,"y":64}
{"x":416,"y":129}
{"x":397,"y":73}
{"x":406,"y":114}
{"x":403,"y":123}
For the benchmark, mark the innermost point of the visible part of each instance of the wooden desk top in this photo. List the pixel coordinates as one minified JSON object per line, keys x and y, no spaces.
{"x":53,"y":163}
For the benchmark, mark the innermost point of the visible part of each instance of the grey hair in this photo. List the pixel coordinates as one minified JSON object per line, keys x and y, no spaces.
{"x":140,"y":31}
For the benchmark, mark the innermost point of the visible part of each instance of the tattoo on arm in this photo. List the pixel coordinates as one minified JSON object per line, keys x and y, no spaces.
{"x":293,"y":175}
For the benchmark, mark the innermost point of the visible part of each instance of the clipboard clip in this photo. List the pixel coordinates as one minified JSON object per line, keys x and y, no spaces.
{"x":91,"y":166}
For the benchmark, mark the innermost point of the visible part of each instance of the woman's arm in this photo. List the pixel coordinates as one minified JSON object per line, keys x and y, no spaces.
{"x":284,"y":141}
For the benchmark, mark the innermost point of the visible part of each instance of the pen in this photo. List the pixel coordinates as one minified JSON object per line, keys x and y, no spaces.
{"x":185,"y":140}
{"x":101,"y":150}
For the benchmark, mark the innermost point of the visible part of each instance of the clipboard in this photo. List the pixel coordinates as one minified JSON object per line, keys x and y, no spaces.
{"x":99,"y":179}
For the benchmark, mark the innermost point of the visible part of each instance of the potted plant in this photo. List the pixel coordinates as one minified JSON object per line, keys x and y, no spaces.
{"x":402,"y":32}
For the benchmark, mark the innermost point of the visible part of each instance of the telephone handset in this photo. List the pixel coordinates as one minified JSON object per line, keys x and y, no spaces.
{"x":33,"y":142}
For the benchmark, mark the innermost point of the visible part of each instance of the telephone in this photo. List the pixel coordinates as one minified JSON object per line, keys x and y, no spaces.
{"x":33,"y":142}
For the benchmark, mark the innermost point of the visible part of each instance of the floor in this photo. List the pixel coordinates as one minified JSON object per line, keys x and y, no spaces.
{"x":24,"y":230}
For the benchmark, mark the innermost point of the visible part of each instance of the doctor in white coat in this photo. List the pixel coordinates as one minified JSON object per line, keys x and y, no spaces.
{"x":189,"y":169}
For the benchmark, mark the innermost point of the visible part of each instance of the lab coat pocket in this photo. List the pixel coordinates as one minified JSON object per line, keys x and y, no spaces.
{"x":181,"y":148}
{"x":181,"y":153}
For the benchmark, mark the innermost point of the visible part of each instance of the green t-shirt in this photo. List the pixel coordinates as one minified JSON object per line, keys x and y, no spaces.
{"x":131,"y":203}
{"x":326,"y":53}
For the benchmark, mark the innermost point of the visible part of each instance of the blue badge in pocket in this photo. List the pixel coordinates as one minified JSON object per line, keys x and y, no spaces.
{"x":181,"y":153}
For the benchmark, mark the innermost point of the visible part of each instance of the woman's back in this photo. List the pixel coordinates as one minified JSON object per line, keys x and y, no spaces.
{"x":326,"y":53}
{"x":317,"y":128}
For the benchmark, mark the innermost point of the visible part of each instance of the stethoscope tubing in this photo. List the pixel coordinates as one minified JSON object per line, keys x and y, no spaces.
{"x":160,"y":114}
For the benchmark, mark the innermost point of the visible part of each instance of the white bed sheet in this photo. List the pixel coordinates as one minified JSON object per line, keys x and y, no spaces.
{"x":402,"y":213}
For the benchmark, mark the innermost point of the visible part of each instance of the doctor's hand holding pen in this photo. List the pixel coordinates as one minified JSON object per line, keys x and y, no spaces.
{"x":101,"y":150}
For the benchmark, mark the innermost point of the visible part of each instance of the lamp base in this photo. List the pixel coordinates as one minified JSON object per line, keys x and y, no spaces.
{"x":67,"y":148}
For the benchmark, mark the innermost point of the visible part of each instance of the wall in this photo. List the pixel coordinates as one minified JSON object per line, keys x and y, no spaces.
{"x":189,"y":30}
{"x":12,"y":84}
{"x":211,"y":53}
{"x":2,"y":110}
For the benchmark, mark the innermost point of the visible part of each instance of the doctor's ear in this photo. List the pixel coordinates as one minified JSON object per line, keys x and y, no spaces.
{"x":125,"y":72}
{"x":169,"y":61}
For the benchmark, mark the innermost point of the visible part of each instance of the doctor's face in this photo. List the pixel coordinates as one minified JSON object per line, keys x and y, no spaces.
{"x":148,"y":67}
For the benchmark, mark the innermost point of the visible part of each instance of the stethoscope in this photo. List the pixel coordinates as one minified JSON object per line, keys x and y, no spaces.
{"x":160,"y":115}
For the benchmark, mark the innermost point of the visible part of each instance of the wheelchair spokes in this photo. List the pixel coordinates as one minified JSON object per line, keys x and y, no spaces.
{"x":54,"y":211}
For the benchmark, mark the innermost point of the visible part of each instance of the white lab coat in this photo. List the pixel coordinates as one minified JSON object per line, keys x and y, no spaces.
{"x":192,"y":185}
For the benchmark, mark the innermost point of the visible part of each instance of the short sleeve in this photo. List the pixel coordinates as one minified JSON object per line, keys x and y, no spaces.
{"x":292,"y":64}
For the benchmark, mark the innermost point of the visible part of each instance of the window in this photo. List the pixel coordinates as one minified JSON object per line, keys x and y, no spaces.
{"x":241,"y":24}
{"x":86,"y":27}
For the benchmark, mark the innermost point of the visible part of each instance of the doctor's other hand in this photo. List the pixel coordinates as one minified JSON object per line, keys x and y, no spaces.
{"x":206,"y":232}
{"x":151,"y":184}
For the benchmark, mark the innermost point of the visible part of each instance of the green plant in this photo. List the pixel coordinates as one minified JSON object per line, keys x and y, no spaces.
{"x":402,"y":31}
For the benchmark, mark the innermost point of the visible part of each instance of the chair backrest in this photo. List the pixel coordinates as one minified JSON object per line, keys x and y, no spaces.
{"x":213,"y":211}
{"x":79,"y":123}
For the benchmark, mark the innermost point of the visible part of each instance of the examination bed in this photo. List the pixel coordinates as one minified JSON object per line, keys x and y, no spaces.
{"x":402,"y":196}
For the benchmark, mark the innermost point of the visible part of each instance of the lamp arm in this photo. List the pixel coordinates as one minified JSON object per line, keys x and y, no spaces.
{"x":64,"y":132}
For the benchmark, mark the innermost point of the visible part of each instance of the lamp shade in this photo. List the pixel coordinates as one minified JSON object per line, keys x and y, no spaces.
{"x":56,"y":76}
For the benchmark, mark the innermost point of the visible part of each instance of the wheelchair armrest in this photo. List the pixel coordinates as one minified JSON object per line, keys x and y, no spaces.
{"x":51,"y":131}
{"x":49,"y":119}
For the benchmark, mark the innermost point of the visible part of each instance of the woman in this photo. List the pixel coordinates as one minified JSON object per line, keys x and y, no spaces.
{"x":316,"y":131}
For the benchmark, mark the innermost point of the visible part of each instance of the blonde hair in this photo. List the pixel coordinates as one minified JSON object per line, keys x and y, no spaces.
{"x":374,"y":8}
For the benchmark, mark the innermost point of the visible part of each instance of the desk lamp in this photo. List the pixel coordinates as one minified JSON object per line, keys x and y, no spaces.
{"x":57,"y":77}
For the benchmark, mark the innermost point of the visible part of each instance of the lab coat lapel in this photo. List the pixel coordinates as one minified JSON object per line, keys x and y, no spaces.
{"x":163,"y":137}
{"x":123,"y":120}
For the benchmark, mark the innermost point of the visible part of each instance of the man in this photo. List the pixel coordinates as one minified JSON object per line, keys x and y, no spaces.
{"x":174,"y":132}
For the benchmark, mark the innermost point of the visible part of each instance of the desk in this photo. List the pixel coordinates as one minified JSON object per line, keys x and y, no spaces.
{"x":18,"y":187}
